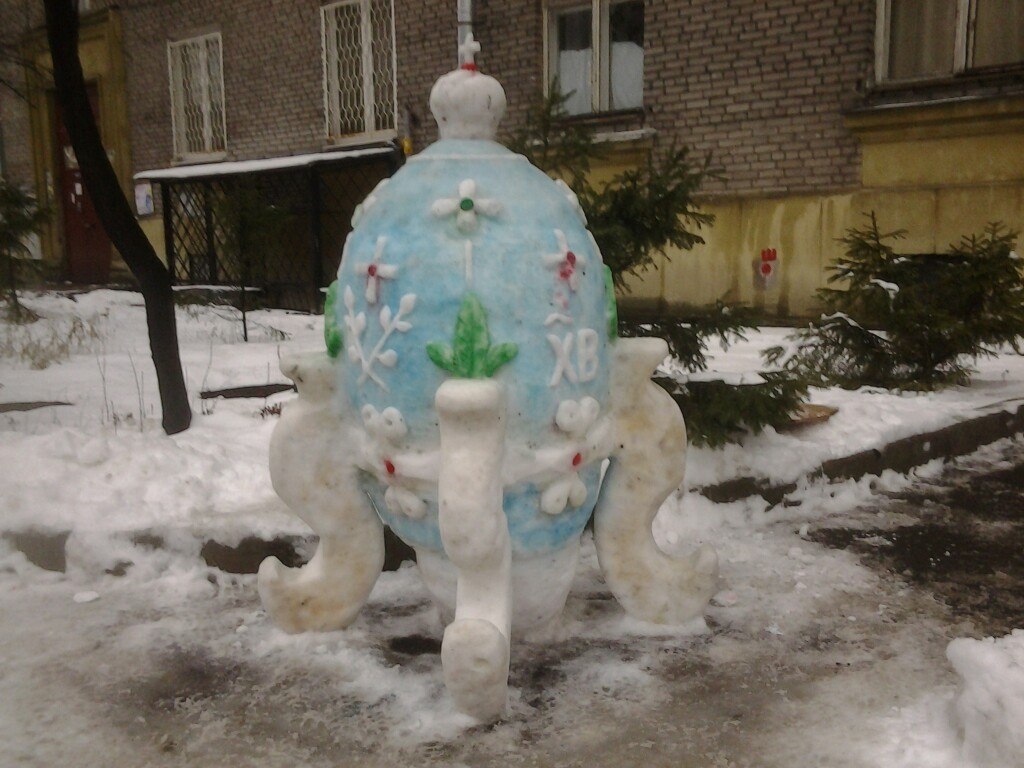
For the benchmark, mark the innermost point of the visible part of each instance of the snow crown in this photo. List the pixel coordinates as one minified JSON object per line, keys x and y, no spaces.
{"x":466,"y":103}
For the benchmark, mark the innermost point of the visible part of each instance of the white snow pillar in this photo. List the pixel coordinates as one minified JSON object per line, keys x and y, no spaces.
{"x":649,"y":463}
{"x":312,"y":469}
{"x":474,"y":532}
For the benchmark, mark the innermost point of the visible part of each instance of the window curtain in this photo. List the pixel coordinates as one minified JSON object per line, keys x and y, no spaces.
{"x":921,"y":38}
{"x":627,"y":75}
{"x":998,"y":32}
{"x":574,"y":77}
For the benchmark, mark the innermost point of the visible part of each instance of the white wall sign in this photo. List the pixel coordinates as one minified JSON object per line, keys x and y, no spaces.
{"x":144,"y":198}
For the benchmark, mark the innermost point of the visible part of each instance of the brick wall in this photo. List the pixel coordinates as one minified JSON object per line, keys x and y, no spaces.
{"x":272,"y":67}
{"x":272,"y":74}
{"x":760,"y":85}
{"x":17,"y":16}
{"x":425,"y":42}
{"x":511,"y":37}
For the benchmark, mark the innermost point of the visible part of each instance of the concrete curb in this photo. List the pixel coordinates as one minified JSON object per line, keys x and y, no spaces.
{"x":47,"y":549}
{"x":900,"y":456}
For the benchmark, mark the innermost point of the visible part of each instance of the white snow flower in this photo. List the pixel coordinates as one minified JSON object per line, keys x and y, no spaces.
{"x":579,"y":420}
{"x":466,"y":206}
{"x":375,"y":271}
{"x":387,"y":425}
{"x":405,"y":501}
{"x":381,"y":456}
{"x":566,"y":263}
{"x":576,"y":417}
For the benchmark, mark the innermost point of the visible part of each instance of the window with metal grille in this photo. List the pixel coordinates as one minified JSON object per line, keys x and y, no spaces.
{"x":197,"y":97}
{"x":359,"y":70}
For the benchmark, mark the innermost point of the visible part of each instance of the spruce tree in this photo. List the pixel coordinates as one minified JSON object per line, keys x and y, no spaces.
{"x":911,"y":321}
{"x":20,"y":218}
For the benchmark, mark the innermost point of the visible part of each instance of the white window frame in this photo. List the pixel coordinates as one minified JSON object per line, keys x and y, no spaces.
{"x":370,"y":132}
{"x":963,"y":42}
{"x":600,"y":37}
{"x":181,"y":152}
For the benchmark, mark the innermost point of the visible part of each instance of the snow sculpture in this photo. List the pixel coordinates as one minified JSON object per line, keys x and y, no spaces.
{"x":472,"y":388}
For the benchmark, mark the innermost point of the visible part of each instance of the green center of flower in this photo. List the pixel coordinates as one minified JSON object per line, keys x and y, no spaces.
{"x":466,"y":204}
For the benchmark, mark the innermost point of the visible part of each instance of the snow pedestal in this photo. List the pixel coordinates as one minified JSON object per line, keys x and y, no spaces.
{"x":472,"y":389}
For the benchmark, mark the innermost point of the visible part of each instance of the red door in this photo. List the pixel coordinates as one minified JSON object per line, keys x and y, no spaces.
{"x":86,"y":245}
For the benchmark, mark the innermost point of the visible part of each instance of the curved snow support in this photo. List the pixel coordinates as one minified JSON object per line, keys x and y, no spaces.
{"x":648,"y":465}
{"x":474,"y":532}
{"x":311,"y":470}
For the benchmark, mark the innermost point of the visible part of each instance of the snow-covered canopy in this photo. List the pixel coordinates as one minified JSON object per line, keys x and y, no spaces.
{"x":232,"y":167}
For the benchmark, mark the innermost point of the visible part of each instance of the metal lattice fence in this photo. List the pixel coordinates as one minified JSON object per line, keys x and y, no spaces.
{"x":279,"y":231}
{"x":358,"y":46}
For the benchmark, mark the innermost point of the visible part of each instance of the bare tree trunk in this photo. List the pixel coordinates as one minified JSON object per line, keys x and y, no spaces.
{"x":115,"y":213}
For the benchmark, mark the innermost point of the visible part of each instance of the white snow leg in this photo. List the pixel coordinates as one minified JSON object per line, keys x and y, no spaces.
{"x":475,"y":649}
{"x":648,"y":465}
{"x":312,"y":471}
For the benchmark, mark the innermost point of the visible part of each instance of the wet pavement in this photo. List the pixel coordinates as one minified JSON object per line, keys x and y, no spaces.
{"x":961,"y":537}
{"x":814,"y":648}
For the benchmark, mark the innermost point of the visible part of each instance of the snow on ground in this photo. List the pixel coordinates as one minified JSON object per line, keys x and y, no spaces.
{"x":978,"y":723}
{"x":990,"y":704}
{"x":867,"y":418}
{"x":103,"y":463}
{"x":807,"y":658}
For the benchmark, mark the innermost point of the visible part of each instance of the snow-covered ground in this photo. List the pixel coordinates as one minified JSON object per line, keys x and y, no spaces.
{"x":808,"y":657}
{"x":867,"y":418}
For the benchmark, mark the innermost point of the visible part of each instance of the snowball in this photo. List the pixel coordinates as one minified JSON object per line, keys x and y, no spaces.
{"x":989,"y":706}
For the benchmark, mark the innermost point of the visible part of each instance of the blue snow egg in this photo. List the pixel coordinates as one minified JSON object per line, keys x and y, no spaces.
{"x":471,"y":262}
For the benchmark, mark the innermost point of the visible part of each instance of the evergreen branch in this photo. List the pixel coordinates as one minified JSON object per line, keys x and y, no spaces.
{"x":333,"y":337}
{"x":938,"y":312}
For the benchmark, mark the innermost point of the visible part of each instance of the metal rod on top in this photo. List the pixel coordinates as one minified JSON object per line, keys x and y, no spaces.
{"x":464,"y":9}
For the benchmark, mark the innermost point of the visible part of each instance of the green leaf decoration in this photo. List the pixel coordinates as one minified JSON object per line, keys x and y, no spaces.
{"x":497,"y":356}
{"x":611,"y":306}
{"x":472,"y":338}
{"x":441,"y":355}
{"x":471,"y":355}
{"x":332,"y":333}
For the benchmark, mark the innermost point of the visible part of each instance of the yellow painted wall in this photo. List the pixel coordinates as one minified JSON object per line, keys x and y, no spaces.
{"x":153,"y":226}
{"x":935,"y":162}
{"x":937,"y":172}
{"x":101,"y":53}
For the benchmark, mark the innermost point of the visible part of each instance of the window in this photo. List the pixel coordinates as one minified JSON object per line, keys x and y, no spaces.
{"x":917,"y":39}
{"x":608,"y":75}
{"x":359,"y":70}
{"x":197,"y":97}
